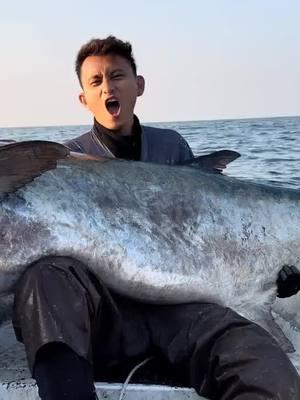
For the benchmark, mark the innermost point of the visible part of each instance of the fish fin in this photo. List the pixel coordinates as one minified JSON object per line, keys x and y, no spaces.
{"x":265,"y":319}
{"x":4,"y":142}
{"x":22,"y":162}
{"x":216,"y":161}
{"x":274,"y":329}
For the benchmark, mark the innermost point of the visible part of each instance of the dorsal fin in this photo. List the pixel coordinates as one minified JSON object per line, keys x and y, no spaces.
{"x":214,"y":162}
{"x":21,"y":162}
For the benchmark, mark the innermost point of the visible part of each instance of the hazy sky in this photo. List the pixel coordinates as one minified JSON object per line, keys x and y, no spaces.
{"x":201,"y":59}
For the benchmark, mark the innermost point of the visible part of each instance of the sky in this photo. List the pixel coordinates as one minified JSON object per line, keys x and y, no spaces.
{"x":212,"y":59}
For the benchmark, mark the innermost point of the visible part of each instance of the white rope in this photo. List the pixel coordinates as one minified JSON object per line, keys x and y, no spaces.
{"x":125,"y":384}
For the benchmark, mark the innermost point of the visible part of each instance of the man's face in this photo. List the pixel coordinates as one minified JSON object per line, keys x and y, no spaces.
{"x":110,"y":89}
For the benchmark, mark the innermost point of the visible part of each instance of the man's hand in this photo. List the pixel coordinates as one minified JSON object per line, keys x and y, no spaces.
{"x":288,"y":281}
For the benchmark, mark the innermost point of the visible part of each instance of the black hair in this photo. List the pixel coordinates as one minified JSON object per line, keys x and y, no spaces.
{"x":103,"y":47}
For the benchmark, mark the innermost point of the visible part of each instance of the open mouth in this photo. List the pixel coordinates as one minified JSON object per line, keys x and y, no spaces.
{"x":113,"y":107}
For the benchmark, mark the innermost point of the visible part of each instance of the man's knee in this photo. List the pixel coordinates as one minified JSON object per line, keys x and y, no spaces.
{"x":45,"y":271}
{"x":55,"y":264}
{"x":53,"y":282}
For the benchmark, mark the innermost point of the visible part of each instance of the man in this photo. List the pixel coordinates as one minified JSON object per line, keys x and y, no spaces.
{"x":75,"y":329}
{"x":110,"y":88}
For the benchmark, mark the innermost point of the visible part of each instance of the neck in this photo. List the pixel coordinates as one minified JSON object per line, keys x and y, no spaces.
{"x":125,"y":130}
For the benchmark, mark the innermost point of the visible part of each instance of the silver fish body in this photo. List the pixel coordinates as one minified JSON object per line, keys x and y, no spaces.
{"x":163,"y":234}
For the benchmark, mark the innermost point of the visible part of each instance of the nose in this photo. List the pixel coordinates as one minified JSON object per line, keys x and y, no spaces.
{"x":107,"y":87}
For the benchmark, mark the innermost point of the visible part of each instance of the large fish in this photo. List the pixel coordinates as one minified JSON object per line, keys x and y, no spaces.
{"x":158,"y":233}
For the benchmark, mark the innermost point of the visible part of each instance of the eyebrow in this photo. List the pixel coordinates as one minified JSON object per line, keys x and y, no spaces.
{"x":117,"y":70}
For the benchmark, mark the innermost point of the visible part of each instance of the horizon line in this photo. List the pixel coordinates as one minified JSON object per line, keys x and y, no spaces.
{"x":157,"y":122}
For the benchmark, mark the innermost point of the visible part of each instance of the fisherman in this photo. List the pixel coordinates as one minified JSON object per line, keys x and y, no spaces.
{"x":76,"y":330}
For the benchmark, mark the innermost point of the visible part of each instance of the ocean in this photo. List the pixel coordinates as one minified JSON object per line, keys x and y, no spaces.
{"x":269,"y":147}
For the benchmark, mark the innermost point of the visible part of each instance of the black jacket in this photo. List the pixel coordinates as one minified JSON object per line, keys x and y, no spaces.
{"x":161,"y":146}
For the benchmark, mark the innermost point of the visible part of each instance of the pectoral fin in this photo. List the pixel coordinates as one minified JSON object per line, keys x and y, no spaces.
{"x":21,"y":162}
{"x":214,"y":162}
{"x":264,"y":318}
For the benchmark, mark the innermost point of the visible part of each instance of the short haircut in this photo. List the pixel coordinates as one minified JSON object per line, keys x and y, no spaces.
{"x":103,"y":47}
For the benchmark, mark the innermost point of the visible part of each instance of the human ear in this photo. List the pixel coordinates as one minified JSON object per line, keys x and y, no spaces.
{"x":82,"y":100}
{"x":140,"y":85}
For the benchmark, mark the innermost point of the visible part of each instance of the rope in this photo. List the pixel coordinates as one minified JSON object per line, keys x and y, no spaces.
{"x":125,"y":384}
